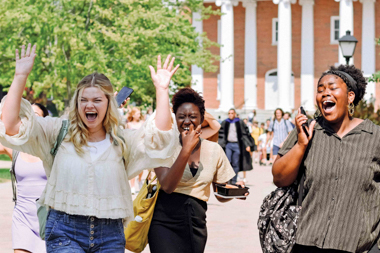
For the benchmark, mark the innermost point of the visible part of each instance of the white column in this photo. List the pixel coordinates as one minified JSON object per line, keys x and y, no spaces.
{"x":284,"y":54}
{"x":197,"y":72}
{"x":227,"y":54}
{"x":346,"y":23}
{"x":368,"y":45}
{"x":250,"y":55}
{"x":307,"y":55}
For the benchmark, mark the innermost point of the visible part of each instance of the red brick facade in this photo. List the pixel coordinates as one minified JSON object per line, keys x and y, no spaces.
{"x":325,"y":53}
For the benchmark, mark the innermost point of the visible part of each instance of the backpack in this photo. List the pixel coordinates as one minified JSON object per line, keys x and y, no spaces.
{"x":62,"y":133}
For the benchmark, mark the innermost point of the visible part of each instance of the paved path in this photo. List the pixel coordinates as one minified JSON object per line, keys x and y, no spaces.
{"x":231,"y":226}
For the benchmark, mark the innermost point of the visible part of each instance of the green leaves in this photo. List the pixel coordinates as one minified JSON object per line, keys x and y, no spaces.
{"x":117,"y":38}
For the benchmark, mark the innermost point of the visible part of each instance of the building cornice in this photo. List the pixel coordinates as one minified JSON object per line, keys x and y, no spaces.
{"x":284,"y":1}
{"x":247,"y":3}
{"x":304,"y":2}
{"x":231,"y":2}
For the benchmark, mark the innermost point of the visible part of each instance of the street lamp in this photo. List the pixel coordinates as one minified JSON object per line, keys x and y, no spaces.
{"x":348,"y":43}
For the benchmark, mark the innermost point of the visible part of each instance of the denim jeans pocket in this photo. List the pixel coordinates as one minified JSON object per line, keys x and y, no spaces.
{"x":51,"y":223}
{"x":58,"y":243}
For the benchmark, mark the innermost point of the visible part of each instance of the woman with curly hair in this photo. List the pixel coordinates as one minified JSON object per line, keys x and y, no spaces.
{"x":340,"y":159}
{"x":179,"y":220}
{"x":87,"y":190}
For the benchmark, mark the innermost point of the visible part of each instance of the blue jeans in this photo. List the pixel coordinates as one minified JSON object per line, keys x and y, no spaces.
{"x":233,"y":155}
{"x":67,"y":233}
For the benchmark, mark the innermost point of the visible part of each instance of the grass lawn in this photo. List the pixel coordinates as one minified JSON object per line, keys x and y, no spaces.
{"x":4,"y":175}
{"x":4,"y":157}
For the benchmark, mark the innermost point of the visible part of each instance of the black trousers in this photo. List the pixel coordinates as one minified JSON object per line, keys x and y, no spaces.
{"x":178,"y":224}
{"x":312,"y":249}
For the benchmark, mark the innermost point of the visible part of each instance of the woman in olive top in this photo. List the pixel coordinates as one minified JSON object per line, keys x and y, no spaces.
{"x":341,"y":161}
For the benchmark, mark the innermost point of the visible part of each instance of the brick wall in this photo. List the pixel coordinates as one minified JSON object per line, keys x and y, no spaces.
{"x":325,"y":53}
{"x":266,"y":52}
{"x":210,"y":80}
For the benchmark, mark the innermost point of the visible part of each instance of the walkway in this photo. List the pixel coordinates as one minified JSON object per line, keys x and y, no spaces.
{"x":231,"y":226}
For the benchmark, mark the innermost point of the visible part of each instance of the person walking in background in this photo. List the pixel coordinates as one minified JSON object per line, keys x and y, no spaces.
{"x":256,"y":132}
{"x":252,"y":116}
{"x":234,"y":137}
{"x":279,"y":129}
{"x":340,"y":160}
{"x":248,"y":124}
{"x":87,"y":191}
{"x":29,"y":174}
{"x":135,"y":120}
{"x":288,"y":116}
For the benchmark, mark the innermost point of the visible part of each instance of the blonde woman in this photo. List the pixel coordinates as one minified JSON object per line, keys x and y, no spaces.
{"x":87,"y":190}
{"x":135,"y":121}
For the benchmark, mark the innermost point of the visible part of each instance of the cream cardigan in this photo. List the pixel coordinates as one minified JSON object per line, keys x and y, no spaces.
{"x":78,"y":185}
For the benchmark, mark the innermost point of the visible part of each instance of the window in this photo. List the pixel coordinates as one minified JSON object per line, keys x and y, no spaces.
{"x":334,"y":28}
{"x":274,"y":31}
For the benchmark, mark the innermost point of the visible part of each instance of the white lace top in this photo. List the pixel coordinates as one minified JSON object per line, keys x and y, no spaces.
{"x":78,"y":185}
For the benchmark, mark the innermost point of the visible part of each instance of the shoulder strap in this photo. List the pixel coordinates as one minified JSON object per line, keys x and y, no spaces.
{"x":15,"y":153}
{"x":62,"y":133}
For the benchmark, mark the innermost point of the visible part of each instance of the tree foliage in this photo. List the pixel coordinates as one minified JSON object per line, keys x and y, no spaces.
{"x":119,"y":38}
{"x":376,"y":76}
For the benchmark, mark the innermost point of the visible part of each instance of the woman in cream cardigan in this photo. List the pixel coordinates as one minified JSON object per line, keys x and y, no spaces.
{"x":87,"y":190}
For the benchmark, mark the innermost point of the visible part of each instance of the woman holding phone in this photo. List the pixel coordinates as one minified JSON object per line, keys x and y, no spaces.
{"x":87,"y":190}
{"x":341,"y":162}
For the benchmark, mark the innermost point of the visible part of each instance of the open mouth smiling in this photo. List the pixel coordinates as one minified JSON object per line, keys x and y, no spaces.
{"x":328,"y":106}
{"x":91,"y":116}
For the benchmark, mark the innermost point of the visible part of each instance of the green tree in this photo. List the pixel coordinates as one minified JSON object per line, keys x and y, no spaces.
{"x":376,"y":76}
{"x":119,"y":38}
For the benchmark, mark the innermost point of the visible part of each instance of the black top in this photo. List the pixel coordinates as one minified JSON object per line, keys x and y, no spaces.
{"x":341,"y":206}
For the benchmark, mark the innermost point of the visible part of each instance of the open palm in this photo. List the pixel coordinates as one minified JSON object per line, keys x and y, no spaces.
{"x":162,"y":77}
{"x":24,"y":64}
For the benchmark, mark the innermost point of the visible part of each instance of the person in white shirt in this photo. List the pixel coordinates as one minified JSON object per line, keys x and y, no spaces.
{"x":87,"y":191}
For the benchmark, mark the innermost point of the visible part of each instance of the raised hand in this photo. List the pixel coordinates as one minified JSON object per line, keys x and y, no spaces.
{"x":24,"y":64}
{"x":162,"y":77}
{"x":190,"y":138}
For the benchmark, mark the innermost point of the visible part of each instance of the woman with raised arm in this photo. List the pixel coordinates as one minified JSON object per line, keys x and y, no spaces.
{"x":341,"y":162}
{"x":30,"y":180}
{"x":87,"y":190}
{"x":179,"y":219}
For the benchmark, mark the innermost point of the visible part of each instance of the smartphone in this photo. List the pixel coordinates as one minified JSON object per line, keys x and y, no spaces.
{"x":122,"y":95}
{"x":304,"y":125}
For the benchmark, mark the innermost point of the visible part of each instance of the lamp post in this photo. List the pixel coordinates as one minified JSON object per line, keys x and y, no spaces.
{"x":348,"y":44}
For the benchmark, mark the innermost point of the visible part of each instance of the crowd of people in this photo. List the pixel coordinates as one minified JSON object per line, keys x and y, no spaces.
{"x":83,"y":180}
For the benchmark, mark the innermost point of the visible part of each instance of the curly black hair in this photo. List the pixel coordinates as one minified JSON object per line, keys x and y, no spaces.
{"x":188,"y":95}
{"x":355,"y":73}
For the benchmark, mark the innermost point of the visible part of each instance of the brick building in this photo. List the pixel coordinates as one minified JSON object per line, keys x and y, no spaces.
{"x":274,"y":51}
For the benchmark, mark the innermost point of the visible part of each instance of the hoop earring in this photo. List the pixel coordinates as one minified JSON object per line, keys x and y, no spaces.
{"x":317,"y":114}
{"x":351,"y":109}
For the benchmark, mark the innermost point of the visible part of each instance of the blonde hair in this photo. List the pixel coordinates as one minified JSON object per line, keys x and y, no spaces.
{"x":78,"y":132}
{"x":133,"y":112}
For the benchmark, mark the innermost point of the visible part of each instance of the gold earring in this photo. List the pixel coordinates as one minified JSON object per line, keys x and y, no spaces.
{"x":351,"y":109}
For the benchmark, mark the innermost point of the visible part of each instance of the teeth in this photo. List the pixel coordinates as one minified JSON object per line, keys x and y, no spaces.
{"x":327,"y":101}
{"x":91,"y":112}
